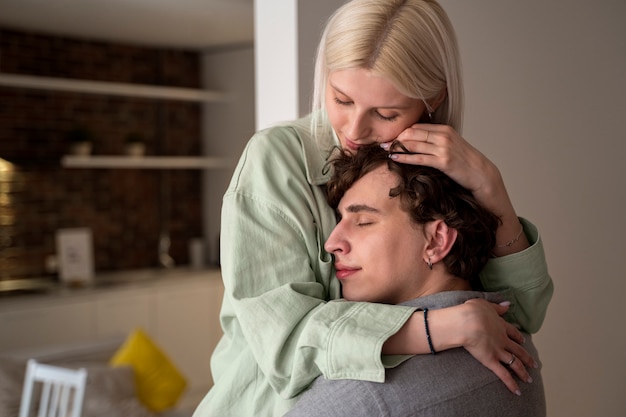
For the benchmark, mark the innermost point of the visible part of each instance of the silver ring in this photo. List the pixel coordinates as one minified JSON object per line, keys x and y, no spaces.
{"x":509,"y":363}
{"x":427,"y":133}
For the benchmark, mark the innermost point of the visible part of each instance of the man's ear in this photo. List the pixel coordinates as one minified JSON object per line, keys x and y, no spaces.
{"x":439,"y":240}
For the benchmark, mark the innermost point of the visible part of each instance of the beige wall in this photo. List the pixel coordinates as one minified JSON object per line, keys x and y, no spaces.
{"x":546,"y":100}
{"x":226,"y":129}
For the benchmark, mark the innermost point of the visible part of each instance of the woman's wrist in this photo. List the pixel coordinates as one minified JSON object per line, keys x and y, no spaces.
{"x":448,"y":328}
{"x":492,"y":192}
{"x":445,"y":329}
{"x":411,"y":339}
{"x":510,"y":237}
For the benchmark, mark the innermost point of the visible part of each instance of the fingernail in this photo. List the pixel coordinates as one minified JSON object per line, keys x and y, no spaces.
{"x":530,"y":379}
{"x":393,"y":156}
{"x":384,"y":145}
{"x":518,"y":393}
{"x":535,"y":365}
{"x":505,"y":303}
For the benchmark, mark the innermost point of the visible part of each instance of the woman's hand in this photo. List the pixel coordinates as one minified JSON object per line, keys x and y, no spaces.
{"x":441,"y":147}
{"x":477,"y":326}
{"x":492,"y":341}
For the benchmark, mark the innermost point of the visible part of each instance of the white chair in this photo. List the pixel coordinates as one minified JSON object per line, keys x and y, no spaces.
{"x":59,"y":386}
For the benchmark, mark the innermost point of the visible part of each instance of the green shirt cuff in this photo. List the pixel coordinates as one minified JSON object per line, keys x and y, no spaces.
{"x":362,"y":358}
{"x":523,"y":279}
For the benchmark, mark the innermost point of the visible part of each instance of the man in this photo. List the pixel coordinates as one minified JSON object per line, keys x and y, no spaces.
{"x":410,"y":235}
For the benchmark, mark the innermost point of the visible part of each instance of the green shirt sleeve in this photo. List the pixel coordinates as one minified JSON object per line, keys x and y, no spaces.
{"x":523,"y":278}
{"x":281,"y":306}
{"x":281,"y":297}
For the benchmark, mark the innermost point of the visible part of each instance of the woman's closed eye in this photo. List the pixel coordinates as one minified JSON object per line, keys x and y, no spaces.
{"x":342,"y":102}
{"x":387,"y":118}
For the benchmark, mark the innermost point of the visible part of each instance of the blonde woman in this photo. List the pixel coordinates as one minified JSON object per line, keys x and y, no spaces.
{"x":386,"y":69}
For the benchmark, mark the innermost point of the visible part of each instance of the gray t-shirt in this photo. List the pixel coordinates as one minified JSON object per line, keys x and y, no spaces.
{"x":450,"y":383}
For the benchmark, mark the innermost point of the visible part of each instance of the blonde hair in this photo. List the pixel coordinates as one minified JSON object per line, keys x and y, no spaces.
{"x":411,"y":43}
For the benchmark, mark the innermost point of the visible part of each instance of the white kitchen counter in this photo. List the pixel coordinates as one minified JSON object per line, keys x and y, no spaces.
{"x":178,"y":308}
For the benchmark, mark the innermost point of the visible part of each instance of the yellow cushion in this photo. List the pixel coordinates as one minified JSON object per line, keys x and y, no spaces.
{"x":159,"y":384}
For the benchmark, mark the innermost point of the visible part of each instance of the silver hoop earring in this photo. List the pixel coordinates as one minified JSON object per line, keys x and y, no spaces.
{"x":430,"y":116}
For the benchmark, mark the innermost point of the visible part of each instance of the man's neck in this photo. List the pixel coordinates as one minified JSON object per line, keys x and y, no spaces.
{"x":440,"y":282}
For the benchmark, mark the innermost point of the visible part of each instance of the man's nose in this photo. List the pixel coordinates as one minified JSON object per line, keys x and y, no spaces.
{"x":336,"y":243}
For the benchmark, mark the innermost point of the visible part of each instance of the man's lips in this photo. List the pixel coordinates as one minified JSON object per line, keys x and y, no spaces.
{"x":344,"y":271}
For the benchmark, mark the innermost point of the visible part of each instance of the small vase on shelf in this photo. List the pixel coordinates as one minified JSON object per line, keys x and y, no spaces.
{"x":81,"y":141}
{"x":134,"y":145}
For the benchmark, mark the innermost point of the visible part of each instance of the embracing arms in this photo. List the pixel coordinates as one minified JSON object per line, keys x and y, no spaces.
{"x":281,"y":293}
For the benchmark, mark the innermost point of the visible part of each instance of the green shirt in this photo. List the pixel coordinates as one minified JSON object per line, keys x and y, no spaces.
{"x":283,"y":320}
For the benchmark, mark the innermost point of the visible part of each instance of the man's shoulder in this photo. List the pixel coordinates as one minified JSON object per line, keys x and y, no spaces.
{"x":450,"y":383}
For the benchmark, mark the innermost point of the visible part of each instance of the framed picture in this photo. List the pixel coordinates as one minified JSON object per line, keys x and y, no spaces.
{"x":75,"y":255}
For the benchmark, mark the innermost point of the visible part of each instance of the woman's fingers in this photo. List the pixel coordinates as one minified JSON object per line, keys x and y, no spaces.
{"x":441,"y":147}
{"x":518,"y":360}
{"x":496,"y":343}
{"x":505,"y":376}
{"x":511,"y":364}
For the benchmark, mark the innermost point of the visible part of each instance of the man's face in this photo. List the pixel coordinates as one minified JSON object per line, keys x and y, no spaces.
{"x":377,"y":249}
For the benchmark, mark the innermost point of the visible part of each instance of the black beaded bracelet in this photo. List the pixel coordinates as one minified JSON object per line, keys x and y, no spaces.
{"x":430,"y":342}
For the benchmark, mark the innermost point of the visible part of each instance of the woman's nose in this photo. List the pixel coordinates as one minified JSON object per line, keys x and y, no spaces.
{"x":357,"y":127}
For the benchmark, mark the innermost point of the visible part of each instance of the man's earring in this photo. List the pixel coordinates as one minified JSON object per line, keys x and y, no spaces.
{"x":429,"y":263}
{"x":430,"y":116}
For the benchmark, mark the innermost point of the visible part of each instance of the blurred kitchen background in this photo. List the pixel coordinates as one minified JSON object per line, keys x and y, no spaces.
{"x":134,"y":213}
{"x":545,"y":97}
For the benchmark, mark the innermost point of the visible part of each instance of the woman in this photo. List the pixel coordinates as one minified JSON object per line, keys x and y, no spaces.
{"x":382,"y":67}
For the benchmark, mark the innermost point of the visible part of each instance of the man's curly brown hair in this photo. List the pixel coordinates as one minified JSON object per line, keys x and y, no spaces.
{"x":426,"y":194}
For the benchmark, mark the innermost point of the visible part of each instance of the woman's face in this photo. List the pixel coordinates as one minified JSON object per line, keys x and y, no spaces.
{"x":364,"y":108}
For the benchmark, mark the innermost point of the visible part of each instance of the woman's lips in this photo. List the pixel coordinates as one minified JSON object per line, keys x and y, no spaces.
{"x":351,"y":145}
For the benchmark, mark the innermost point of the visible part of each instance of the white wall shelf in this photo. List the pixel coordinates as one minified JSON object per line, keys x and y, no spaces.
{"x":146,"y":162}
{"x":110,"y":88}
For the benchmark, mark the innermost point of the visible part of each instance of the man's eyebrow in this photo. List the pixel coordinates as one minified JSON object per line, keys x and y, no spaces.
{"x":357,"y":208}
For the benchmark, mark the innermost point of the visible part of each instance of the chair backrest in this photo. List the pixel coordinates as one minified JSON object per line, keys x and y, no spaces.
{"x":60,"y":386}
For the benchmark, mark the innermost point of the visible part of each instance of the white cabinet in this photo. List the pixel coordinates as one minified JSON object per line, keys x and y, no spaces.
{"x":119,"y":312}
{"x":179,"y":309}
{"x":188,"y":326}
{"x":44,"y":322}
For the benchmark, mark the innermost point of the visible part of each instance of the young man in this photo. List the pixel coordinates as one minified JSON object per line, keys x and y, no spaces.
{"x":410,"y":235}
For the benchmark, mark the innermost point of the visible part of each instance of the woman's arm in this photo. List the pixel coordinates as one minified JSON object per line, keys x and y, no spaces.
{"x":280,"y":309}
{"x":295,"y":335}
{"x":475,"y":325}
{"x":441,"y":147}
{"x":278,"y":279}
{"x":524,"y":280}
{"x":519,"y":267}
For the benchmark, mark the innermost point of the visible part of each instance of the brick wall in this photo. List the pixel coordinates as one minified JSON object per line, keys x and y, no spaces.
{"x":123,"y":207}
